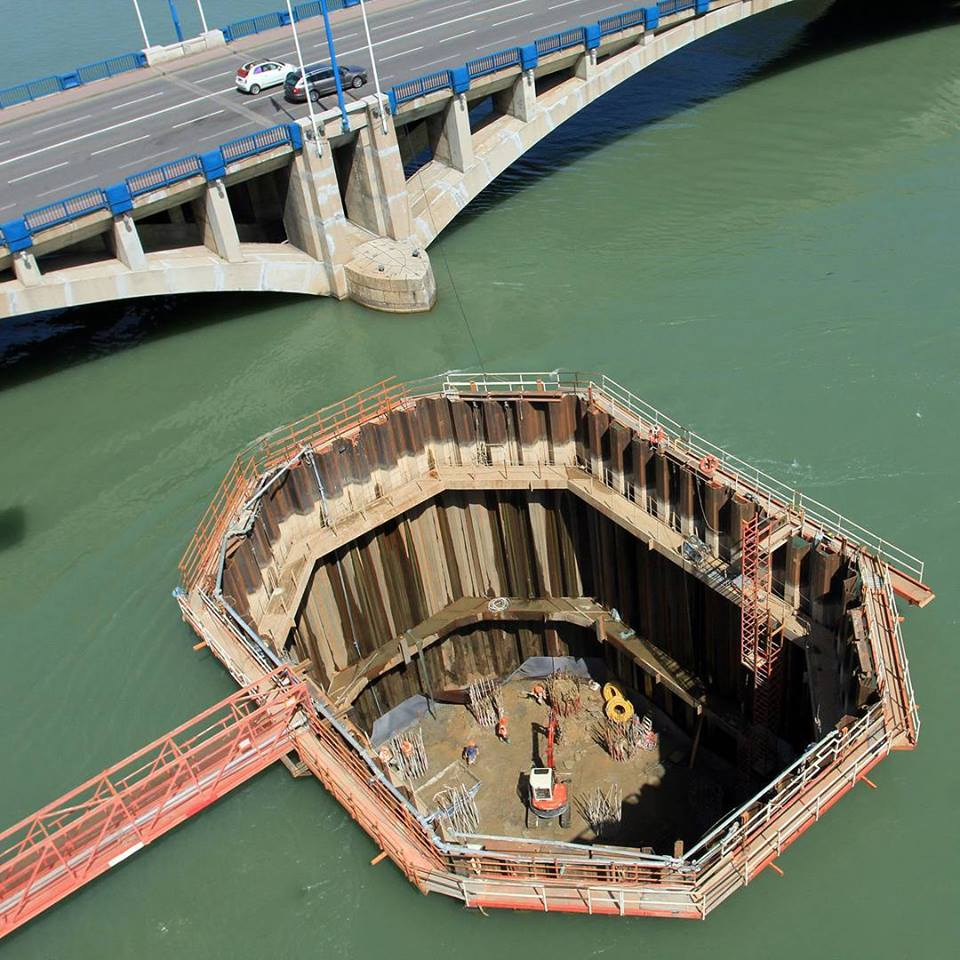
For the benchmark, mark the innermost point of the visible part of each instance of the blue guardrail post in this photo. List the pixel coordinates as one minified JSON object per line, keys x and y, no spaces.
{"x":651,"y":17}
{"x":460,"y":78}
{"x":702,"y":7}
{"x":528,"y":57}
{"x":17,"y":235}
{"x":591,"y":36}
{"x":213,"y":165}
{"x":119,"y":198}
{"x":295,"y":133}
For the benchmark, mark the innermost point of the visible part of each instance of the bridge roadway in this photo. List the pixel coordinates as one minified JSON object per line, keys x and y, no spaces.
{"x":104,"y":132}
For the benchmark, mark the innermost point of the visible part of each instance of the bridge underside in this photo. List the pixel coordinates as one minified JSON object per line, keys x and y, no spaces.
{"x":348,"y":216}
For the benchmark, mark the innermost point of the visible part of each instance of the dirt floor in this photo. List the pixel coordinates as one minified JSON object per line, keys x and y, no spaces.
{"x":662,"y":800}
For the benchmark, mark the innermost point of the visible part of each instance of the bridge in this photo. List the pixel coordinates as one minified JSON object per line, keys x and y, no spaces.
{"x":347,"y":210}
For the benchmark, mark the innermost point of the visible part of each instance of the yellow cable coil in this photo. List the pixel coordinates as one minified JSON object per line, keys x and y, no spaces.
{"x":619,"y":710}
{"x":612,"y":692}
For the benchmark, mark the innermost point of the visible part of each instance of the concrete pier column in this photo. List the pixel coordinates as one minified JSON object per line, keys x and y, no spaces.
{"x":376,"y":189}
{"x":219,"y":228}
{"x":662,"y":468}
{"x":520,"y":98}
{"x":127,"y":247}
{"x":586,"y":66}
{"x":313,"y":216}
{"x":450,"y":134}
{"x":714,"y":497}
{"x":687,"y":500}
{"x":740,"y":510}
{"x":823,"y":567}
{"x":797,"y":548}
{"x":25,"y":268}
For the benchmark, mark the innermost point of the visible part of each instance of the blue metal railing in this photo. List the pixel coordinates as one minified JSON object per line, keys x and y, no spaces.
{"x":34,"y":89}
{"x":279,"y":18}
{"x":561,"y":41}
{"x":156,"y":178}
{"x":254,"y":143}
{"x":53,"y":214}
{"x":492,"y":62}
{"x":623,"y":21}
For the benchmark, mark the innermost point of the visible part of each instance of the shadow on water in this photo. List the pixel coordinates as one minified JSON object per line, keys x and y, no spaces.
{"x":750,"y":52}
{"x":760,"y":47}
{"x":35,"y":346}
{"x":13,"y":526}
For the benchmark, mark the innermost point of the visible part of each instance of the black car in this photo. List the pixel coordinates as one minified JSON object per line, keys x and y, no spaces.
{"x":321,"y":82}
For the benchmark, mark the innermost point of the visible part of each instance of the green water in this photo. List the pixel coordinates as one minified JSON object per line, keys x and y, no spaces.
{"x":776,"y":266}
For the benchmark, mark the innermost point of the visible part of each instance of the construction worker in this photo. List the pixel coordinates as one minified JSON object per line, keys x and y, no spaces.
{"x":502,"y":730}
{"x":539,"y":693}
{"x":470,"y":753}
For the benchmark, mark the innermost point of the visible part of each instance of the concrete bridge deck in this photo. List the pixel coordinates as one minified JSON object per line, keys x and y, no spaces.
{"x":348,"y":213}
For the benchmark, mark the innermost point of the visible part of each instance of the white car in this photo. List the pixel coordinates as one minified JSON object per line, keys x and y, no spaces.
{"x":259,"y":74}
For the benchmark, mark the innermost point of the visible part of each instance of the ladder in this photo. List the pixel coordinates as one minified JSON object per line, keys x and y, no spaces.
{"x":761,"y":642}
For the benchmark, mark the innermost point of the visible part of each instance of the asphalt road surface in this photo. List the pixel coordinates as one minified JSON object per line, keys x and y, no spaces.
{"x":116,"y":129}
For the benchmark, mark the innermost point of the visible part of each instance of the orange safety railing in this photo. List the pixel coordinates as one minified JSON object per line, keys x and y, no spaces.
{"x":270,"y":451}
{"x":71,"y":841}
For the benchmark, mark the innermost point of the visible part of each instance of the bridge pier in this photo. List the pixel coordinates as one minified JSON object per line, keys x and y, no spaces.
{"x":25,"y":269}
{"x":450,"y":134}
{"x":519,"y":100}
{"x":126,"y":244}
{"x":214,"y":215}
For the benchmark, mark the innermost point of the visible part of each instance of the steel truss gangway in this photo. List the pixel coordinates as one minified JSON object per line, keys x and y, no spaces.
{"x":73,"y":840}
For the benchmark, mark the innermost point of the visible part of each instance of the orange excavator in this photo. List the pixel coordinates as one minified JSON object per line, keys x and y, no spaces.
{"x":548,"y":798}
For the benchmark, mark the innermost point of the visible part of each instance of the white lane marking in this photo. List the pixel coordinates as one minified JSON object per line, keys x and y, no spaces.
{"x":497,"y":43}
{"x":8,"y":206}
{"x":114,"y":126}
{"x":205,"y":116}
{"x":130,"y":103}
{"x":613,"y":6}
{"x":66,"y":123}
{"x":393,"y":23}
{"x":456,"y":36}
{"x":462,"y":3}
{"x":117,"y":146}
{"x":216,"y":136}
{"x":403,"y":53}
{"x":566,"y":3}
{"x":67,"y":186}
{"x":336,"y":40}
{"x":432,"y":63}
{"x":500,"y":23}
{"x":36,"y":173}
{"x":215,"y":76}
{"x":3,"y":143}
{"x":145,"y":163}
{"x":559,"y":23}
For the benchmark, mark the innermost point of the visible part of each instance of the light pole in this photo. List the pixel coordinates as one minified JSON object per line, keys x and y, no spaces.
{"x":203,"y":18}
{"x":344,"y":117}
{"x":143,"y":29}
{"x":373,"y":64}
{"x":306,"y":82}
{"x":176,"y":19}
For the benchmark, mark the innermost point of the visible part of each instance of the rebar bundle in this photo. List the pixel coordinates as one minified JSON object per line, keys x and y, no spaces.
{"x":601,"y":808}
{"x":623,"y":741}
{"x":563,"y":694}
{"x":457,"y":809}
{"x":485,"y":702}
{"x":408,"y":754}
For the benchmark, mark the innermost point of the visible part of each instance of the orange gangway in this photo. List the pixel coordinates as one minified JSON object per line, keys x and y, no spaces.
{"x":47,"y":856}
